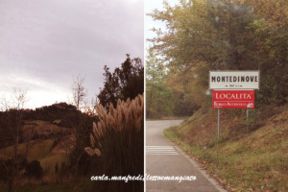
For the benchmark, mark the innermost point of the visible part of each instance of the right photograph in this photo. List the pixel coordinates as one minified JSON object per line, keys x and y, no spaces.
{"x":216,"y":95}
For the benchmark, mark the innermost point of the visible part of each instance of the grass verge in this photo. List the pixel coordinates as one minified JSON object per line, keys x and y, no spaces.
{"x":254,"y":163}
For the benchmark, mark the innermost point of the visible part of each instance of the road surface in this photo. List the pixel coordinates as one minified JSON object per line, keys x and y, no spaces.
{"x":165,"y":159}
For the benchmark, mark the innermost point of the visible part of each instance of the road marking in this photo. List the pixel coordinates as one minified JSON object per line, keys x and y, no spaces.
{"x":202,"y":171}
{"x":161,"y":150}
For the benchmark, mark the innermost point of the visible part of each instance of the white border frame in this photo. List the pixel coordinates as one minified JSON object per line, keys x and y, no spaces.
{"x":259,"y":78}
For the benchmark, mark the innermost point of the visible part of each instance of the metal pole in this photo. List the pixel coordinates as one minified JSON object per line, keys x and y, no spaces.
{"x":218,"y":125}
{"x":247,"y":115}
{"x":218,"y":134}
{"x":247,"y":120}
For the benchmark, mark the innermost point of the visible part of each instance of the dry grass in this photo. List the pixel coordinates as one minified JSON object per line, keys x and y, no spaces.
{"x":38,"y":128}
{"x":246,"y":159}
{"x":117,"y":141}
{"x":37,"y":149}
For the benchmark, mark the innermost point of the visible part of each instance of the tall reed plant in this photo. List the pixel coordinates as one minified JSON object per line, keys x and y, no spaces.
{"x":117,"y":141}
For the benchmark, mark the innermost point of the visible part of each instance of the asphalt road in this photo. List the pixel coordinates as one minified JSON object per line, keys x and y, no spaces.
{"x":165,"y":159}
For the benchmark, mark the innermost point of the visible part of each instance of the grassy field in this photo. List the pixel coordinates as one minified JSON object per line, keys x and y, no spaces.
{"x":37,"y":149}
{"x":253,"y":159}
{"x":47,"y":151}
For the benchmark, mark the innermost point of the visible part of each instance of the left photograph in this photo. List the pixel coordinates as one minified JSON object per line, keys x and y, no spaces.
{"x":71,"y":95}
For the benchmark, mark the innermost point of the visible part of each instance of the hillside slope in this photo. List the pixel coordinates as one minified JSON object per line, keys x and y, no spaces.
{"x":43,"y":141}
{"x":252,"y":155}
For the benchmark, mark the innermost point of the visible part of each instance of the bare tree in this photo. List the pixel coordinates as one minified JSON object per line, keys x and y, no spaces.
{"x":4,"y":104}
{"x":79,"y":92}
{"x":16,"y":104}
{"x":20,"y":98}
{"x":90,"y":108}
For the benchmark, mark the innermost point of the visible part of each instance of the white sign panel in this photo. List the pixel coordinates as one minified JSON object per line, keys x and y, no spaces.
{"x":234,"y":80}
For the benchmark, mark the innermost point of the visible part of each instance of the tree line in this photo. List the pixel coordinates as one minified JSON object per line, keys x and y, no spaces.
{"x":203,"y":35}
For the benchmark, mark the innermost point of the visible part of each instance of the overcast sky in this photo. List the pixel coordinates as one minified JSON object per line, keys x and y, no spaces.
{"x":44,"y":44}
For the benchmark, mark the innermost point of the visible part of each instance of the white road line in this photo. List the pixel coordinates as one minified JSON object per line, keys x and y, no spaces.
{"x":161,"y":150}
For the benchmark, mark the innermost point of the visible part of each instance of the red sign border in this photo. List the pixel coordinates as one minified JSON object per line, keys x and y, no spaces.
{"x":233,"y":102}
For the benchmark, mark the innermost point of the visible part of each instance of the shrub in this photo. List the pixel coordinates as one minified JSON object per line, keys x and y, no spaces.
{"x":117,"y":141}
{"x":34,"y":169}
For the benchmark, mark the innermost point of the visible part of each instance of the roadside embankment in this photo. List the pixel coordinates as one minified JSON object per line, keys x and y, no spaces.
{"x":250,"y":155}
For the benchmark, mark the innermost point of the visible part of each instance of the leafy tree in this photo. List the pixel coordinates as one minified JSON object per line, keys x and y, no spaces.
{"x":126,"y":82}
{"x":163,"y":96}
{"x":158,"y":95}
{"x":226,"y":35}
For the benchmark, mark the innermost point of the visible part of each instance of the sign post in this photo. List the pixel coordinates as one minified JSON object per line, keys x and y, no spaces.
{"x":233,"y":89}
{"x":218,"y":124}
{"x":247,"y":119}
{"x":218,"y":132}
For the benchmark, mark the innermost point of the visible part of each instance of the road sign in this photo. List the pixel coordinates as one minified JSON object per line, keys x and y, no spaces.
{"x":241,"y":99}
{"x":237,"y":80}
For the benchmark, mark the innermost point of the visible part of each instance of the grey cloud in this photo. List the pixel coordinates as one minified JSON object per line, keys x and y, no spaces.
{"x":56,"y":40}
